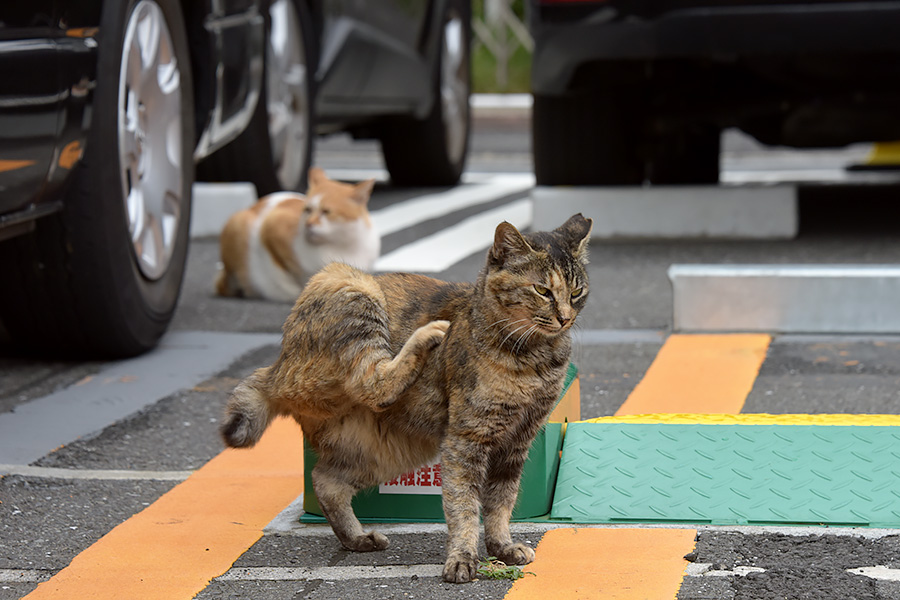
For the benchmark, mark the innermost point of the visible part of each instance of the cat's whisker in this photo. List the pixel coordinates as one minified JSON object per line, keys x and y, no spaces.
{"x":523,"y":340}
{"x":502,"y":329}
{"x":498,"y":322}
{"x":533,"y":333}
{"x":511,"y":333}
{"x":577,"y":342}
{"x":509,"y":324}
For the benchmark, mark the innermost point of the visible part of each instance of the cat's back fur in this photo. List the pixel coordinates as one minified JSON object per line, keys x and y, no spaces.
{"x":383,"y":372}
{"x":272,"y":248}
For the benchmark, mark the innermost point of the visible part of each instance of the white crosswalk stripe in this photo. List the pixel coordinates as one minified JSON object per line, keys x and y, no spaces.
{"x":437,"y":252}
{"x":430,"y":206}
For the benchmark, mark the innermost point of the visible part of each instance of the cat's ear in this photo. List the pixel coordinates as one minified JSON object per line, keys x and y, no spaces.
{"x":577,"y":231}
{"x":362,"y":191}
{"x":316,"y":176}
{"x":508,"y":243}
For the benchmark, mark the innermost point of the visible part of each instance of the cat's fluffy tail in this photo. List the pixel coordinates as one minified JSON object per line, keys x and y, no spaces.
{"x":248,"y":412}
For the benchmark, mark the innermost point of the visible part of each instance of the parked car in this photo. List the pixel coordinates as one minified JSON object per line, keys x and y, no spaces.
{"x":627,"y":92}
{"x":110,"y":109}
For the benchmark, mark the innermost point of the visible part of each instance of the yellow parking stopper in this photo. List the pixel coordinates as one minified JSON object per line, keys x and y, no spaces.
{"x":884,"y":154}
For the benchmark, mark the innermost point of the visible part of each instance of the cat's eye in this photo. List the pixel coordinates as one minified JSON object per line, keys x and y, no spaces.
{"x":542,"y":290}
{"x":577,"y":292}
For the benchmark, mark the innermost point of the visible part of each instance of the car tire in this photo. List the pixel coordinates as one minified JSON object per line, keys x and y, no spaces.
{"x":102,"y":277}
{"x":686,"y":157}
{"x":586,"y":138}
{"x":274,"y":152}
{"x":432,"y":151}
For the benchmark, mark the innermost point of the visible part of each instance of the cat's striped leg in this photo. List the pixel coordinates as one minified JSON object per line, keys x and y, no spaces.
{"x":335,"y":492}
{"x":498,"y":498}
{"x":462,"y":471}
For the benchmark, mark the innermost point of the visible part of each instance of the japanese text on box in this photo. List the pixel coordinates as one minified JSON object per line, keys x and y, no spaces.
{"x":424,"y":480}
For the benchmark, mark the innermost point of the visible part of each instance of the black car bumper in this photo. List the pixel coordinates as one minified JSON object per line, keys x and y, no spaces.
{"x":568,"y":36}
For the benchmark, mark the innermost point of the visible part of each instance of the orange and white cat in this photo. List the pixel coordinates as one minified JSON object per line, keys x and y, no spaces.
{"x":272,"y":248}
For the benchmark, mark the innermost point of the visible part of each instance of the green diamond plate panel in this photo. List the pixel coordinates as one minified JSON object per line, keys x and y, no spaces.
{"x":729,"y":474}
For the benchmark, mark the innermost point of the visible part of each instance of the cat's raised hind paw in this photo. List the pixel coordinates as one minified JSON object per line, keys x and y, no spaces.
{"x":430,"y":335}
{"x":367,"y":543}
{"x":460,"y":568}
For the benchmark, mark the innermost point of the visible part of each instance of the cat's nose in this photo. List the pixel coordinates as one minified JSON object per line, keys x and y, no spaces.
{"x":565,"y":315}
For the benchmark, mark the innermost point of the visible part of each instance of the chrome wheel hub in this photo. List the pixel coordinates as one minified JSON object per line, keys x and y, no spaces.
{"x":150,"y":138}
{"x":287,"y":82}
{"x":455,"y":86}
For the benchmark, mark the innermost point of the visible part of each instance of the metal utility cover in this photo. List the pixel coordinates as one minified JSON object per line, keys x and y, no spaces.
{"x":729,"y":474}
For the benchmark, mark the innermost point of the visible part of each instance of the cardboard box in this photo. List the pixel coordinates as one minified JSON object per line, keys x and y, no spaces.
{"x":416,"y":496}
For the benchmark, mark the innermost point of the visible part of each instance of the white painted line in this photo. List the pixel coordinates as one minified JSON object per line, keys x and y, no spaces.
{"x":879,"y":572}
{"x":870,"y":533}
{"x":705,"y":570}
{"x":97,"y":474}
{"x":788,"y":176}
{"x":488,"y":176}
{"x":319,"y":530}
{"x":738,"y":571}
{"x":352,"y":175}
{"x":438,"y":252}
{"x":731,"y":176}
{"x":696,"y":569}
{"x":182,"y":360}
{"x":329,"y":573}
{"x":431,"y":206}
{"x":24,"y":575}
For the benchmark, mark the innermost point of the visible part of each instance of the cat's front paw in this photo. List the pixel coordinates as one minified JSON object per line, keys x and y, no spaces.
{"x":368,"y":543}
{"x":460,"y":568}
{"x":514,"y":554}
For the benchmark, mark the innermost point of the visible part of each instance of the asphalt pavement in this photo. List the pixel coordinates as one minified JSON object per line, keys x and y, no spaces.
{"x":142,"y":478}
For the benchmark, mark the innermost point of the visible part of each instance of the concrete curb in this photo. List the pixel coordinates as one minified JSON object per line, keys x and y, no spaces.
{"x":507,"y":105}
{"x":786,"y":298}
{"x":214,"y":203}
{"x":673,"y":212}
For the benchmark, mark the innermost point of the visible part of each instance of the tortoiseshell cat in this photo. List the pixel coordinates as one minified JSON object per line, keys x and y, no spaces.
{"x":385,"y":372}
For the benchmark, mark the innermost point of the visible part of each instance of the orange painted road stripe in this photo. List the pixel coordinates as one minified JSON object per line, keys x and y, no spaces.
{"x":193,"y":533}
{"x":613,"y":564}
{"x":701,"y":374}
